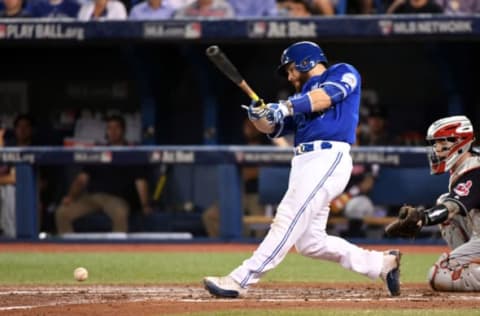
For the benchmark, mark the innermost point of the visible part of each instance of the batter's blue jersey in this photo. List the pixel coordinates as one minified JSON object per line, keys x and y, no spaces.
{"x":339,"y":121}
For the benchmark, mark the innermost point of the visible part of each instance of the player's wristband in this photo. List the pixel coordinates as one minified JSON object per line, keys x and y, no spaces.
{"x":302,"y":104}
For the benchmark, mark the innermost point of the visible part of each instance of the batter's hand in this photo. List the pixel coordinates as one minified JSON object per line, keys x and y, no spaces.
{"x":256,"y":110}
{"x":277,"y":112}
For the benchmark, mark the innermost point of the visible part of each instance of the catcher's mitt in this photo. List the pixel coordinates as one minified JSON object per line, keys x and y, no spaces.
{"x":408,"y":224}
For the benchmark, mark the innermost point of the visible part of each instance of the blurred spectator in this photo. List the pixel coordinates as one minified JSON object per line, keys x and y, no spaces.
{"x":54,"y":8}
{"x":323,"y":7}
{"x":23,"y":132}
{"x":363,"y":7}
{"x":414,"y":6}
{"x":2,"y":134}
{"x":411,"y":138}
{"x":177,"y":4}
{"x":294,"y":8}
{"x":14,"y":9}
{"x":250,"y":197}
{"x":7,"y":196}
{"x":115,"y":190}
{"x":206,"y":8}
{"x":254,"y":8}
{"x":23,"y":136}
{"x":375,"y":132}
{"x":102,"y":10}
{"x":354,"y":202}
{"x":459,"y":6}
{"x":151,"y":10}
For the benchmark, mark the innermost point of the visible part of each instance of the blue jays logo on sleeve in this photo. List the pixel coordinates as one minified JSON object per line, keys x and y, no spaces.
{"x":350,"y":80}
{"x":463,"y":189}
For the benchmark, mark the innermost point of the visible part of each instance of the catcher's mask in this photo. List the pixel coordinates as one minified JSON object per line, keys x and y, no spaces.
{"x":449,"y":138}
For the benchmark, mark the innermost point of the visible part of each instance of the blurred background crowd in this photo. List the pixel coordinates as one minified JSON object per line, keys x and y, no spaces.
{"x":87,"y":10}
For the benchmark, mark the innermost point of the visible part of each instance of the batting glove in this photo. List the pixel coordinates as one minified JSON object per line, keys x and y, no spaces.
{"x":256,"y":110}
{"x":277,"y":112}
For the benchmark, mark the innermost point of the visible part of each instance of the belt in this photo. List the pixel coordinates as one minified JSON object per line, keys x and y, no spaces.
{"x":308,"y":147}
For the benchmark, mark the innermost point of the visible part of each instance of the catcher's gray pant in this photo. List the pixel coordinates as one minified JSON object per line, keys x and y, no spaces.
{"x":456,"y":231}
{"x":459,"y":270}
{"x":7,"y":210}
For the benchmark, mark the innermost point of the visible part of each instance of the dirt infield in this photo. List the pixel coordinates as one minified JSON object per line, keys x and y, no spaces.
{"x":168,"y":299}
{"x":173,"y":299}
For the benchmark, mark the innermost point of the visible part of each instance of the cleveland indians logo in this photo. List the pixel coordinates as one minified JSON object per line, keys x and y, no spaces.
{"x":463,"y":189}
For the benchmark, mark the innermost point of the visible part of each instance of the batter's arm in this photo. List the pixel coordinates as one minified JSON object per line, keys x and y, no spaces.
{"x":317,"y":100}
{"x":264,"y":126}
{"x":320,"y":100}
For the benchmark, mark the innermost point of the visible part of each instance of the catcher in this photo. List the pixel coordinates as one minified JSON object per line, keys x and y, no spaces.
{"x":457,"y":211}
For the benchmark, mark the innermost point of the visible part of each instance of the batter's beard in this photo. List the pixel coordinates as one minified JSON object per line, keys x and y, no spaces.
{"x":298,"y":84}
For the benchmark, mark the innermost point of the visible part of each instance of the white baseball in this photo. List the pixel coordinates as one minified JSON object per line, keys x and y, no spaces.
{"x":80,"y":274}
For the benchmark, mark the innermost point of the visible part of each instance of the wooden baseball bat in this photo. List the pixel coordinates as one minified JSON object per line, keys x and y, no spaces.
{"x":216,"y":56}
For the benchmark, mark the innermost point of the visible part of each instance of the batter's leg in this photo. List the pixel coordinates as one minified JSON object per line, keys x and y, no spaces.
{"x":315,"y":243}
{"x":294,"y":214}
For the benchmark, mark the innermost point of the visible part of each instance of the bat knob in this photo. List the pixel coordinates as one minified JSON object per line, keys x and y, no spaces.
{"x":212,"y":50}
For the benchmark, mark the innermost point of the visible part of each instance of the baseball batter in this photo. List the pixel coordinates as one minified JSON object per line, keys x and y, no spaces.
{"x":322,"y":115}
{"x":457,"y":211}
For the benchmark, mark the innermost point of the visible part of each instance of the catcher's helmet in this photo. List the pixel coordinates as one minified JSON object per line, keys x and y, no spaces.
{"x":304,"y":54}
{"x":456,"y":134}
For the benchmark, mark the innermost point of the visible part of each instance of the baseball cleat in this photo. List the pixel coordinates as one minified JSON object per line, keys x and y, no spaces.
{"x":391,"y":271}
{"x":223,"y":287}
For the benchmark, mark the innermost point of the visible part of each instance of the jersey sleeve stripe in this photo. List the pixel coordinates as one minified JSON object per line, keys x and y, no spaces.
{"x":337,"y":85}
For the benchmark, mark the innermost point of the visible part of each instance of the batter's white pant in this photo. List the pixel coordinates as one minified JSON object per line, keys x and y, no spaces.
{"x":315,"y":178}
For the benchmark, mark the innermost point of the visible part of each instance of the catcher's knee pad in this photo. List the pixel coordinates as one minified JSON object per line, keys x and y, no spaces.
{"x":455,"y":231}
{"x":449,"y":276}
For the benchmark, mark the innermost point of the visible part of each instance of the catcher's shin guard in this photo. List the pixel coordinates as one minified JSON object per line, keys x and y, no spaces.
{"x":453,"y":277}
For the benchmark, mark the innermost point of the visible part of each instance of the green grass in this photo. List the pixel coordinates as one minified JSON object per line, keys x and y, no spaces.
{"x":165,"y":267}
{"x":357,"y":312}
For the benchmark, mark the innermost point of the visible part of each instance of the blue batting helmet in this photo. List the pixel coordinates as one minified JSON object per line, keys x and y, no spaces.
{"x":304,"y":54}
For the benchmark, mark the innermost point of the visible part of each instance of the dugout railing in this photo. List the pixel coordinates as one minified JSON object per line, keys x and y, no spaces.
{"x":415,"y":186}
